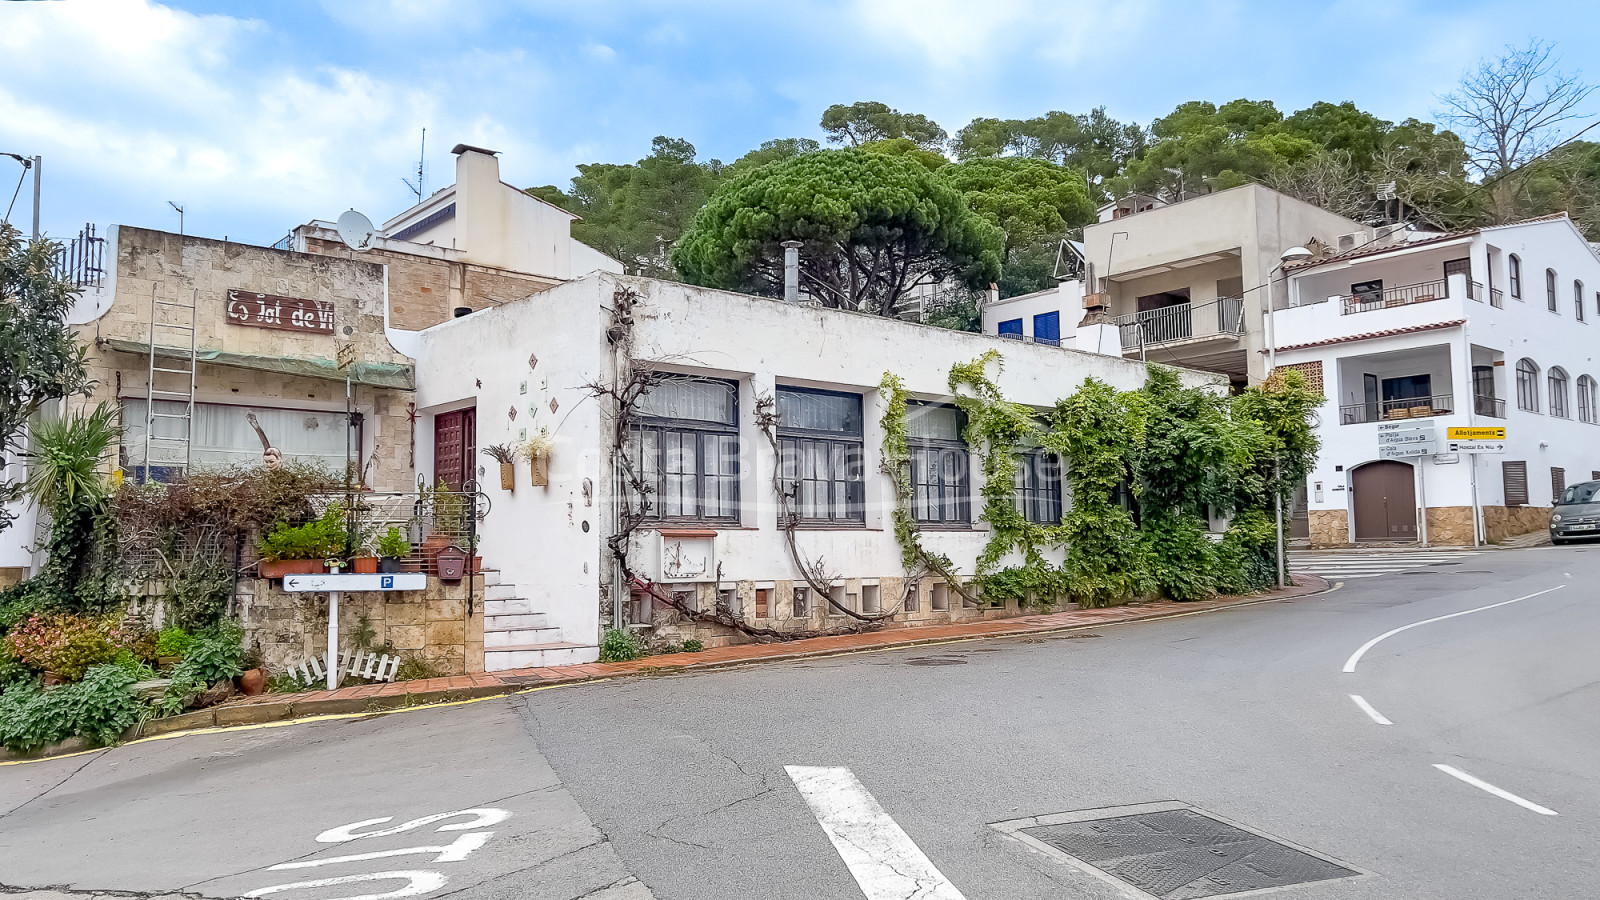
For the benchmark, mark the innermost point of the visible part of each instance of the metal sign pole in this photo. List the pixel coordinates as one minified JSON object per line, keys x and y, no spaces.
{"x":333,"y":637}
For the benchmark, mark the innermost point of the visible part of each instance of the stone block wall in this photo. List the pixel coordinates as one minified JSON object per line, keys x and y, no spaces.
{"x":433,"y":624}
{"x":1450,"y":526}
{"x":1329,"y":527}
{"x":1501,"y":522}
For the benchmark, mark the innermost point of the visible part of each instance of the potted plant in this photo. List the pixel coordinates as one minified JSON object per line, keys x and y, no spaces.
{"x":447,"y":510}
{"x":392,"y":549}
{"x":302,"y":549}
{"x":507,"y":458}
{"x":536,"y":450}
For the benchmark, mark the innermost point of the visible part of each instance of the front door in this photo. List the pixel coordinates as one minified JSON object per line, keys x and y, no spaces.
{"x":455,"y":448}
{"x":1385,"y":502}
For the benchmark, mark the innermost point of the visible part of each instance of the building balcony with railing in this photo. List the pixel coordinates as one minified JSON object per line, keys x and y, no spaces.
{"x":1421,"y":381}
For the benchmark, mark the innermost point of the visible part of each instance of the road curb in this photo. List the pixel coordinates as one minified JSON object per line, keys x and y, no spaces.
{"x":265,"y":713}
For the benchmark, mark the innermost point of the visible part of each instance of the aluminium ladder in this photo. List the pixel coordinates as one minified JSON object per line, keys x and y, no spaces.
{"x":172,"y":347}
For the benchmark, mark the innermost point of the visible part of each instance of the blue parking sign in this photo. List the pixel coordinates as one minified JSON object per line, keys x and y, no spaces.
{"x":387,"y":582}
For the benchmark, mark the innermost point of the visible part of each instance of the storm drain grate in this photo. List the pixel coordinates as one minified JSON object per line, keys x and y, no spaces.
{"x":1176,"y":853}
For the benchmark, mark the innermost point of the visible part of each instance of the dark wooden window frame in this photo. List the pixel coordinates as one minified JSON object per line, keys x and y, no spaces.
{"x":1551,"y":299}
{"x":1558,"y":385}
{"x":1037,"y":493}
{"x":1514,"y":276}
{"x":839,"y":450}
{"x":1527,"y":385}
{"x":1514,"y":476}
{"x":707,"y":437}
{"x":953,"y":495}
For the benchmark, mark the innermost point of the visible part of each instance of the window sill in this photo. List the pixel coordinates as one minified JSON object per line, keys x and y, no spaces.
{"x":948,"y":529}
{"x":686,"y":531}
{"x":831,"y":526}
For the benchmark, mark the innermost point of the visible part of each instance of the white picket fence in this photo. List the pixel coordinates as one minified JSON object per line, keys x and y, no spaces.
{"x":361,"y":664}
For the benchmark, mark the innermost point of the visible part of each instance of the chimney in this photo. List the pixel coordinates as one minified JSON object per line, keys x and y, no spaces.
{"x":791,"y":271}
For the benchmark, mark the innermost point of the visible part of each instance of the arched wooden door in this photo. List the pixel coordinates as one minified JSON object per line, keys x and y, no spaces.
{"x":1385,"y":498}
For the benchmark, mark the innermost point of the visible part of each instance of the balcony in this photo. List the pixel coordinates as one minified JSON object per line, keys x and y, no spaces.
{"x":1388,"y":298}
{"x":1391,"y":410}
{"x":1490,"y":407}
{"x":1182,"y":322}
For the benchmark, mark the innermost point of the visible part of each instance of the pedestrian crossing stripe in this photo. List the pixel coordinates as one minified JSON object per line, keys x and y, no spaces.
{"x":1371,"y":563}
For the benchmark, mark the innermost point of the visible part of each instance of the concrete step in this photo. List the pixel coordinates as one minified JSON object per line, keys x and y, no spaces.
{"x":490,"y":576}
{"x":514,"y":622}
{"x":493,"y":640}
{"x":528,"y":656}
{"x":516,"y":607}
{"x":500,"y":592}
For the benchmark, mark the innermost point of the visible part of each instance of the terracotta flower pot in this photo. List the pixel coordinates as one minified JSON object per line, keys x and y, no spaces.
{"x":366,"y":565}
{"x":277,"y":568}
{"x":431,"y":545}
{"x":52,"y":679}
{"x":253,"y":682}
{"x":508,"y":476}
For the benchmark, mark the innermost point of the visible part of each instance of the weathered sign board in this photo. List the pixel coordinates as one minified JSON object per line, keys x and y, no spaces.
{"x":280,"y":313}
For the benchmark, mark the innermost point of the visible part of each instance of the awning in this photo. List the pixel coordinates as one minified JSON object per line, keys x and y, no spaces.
{"x":398,"y":376}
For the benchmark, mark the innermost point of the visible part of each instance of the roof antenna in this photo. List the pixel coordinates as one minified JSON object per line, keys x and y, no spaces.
{"x":421,"y":155}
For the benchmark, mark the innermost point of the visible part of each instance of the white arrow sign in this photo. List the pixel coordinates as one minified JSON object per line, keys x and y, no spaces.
{"x":1477,"y":446}
{"x":1413,"y":436}
{"x":400,"y":581}
{"x":1387,"y":452}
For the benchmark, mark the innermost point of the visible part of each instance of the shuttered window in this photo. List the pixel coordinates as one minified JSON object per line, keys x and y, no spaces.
{"x":1515,"y":475}
{"x":1558,"y":483}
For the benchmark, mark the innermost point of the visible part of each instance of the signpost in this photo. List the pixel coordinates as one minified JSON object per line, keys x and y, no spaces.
{"x":1477,"y":446}
{"x":337,"y":581}
{"x":1476,"y":434}
{"x":1390,"y":452}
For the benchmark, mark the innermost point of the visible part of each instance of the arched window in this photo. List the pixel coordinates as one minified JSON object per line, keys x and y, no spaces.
{"x":1577,"y":299}
{"x":1588,"y":400}
{"x":1527,"y":385}
{"x":1550,"y":288}
{"x":1558,"y":393}
{"x":1516,"y":276}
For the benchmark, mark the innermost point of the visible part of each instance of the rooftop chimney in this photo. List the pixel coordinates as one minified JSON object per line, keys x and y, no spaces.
{"x":791,"y":271}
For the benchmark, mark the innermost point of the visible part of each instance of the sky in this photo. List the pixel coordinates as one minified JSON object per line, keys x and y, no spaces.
{"x":259,"y":117}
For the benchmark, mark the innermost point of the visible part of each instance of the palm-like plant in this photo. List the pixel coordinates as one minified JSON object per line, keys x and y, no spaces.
{"x":65,"y":458}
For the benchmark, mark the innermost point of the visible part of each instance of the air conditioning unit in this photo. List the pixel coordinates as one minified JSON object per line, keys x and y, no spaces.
{"x":1392,"y":234}
{"x":1350,"y":241}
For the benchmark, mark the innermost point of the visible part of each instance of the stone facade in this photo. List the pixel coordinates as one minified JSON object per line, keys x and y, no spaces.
{"x":1450,"y":526}
{"x":1501,"y":522}
{"x":435,"y":626}
{"x":1329,"y":527}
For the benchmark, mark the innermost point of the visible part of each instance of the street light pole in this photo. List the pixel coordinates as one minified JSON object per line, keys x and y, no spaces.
{"x":1293,"y":254}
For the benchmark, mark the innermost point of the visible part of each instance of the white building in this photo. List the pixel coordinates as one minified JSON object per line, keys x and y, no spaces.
{"x":1490,"y":327}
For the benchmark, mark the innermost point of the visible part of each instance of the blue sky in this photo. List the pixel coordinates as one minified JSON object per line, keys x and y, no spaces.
{"x":260,"y":116}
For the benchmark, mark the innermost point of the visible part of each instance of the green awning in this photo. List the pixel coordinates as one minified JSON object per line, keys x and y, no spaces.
{"x":398,"y":376}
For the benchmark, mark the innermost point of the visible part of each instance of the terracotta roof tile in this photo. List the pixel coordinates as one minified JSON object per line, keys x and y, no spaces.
{"x":1370,"y":335}
{"x":1365,"y":251}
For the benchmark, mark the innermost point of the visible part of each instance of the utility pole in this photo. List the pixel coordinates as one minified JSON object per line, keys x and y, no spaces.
{"x":180,"y":216}
{"x":38,"y":169}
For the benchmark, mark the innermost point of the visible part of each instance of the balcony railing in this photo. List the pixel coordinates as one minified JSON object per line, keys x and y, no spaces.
{"x":1497,"y":298}
{"x":1492,"y":407}
{"x":1030,"y":339}
{"x":1182,"y":322}
{"x":1404,"y":295}
{"x":1391,"y":410}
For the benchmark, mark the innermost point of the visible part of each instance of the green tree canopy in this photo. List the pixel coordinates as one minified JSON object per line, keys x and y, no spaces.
{"x":869,"y":120}
{"x":1093,"y":143}
{"x":873,"y":226}
{"x":40,"y":359}
{"x":772,"y":151}
{"x":635,"y":213}
{"x":1341,"y":127}
{"x":1035,"y":204}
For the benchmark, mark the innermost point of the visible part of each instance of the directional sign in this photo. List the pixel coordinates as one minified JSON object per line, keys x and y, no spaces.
{"x":1477,"y":446}
{"x":1388,"y":452}
{"x":1408,"y":425}
{"x":1413,"y":436}
{"x":400,"y":581}
{"x":1476,"y":434}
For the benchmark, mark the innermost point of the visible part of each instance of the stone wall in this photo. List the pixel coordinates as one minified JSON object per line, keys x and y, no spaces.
{"x":1503,"y":522}
{"x":1329,"y":527}
{"x":1450,"y":526}
{"x":433,"y":625}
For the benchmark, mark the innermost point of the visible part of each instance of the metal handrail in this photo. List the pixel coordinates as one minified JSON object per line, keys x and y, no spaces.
{"x":1497,"y":298}
{"x":1492,"y":407}
{"x":1404,"y":295}
{"x":1393,"y":410}
{"x":1178,"y":323}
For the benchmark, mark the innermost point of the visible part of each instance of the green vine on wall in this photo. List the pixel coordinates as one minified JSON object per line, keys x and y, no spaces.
{"x":897,"y":465}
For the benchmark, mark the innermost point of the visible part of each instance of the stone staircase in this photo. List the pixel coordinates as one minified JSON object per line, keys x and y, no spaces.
{"x":515,"y":636}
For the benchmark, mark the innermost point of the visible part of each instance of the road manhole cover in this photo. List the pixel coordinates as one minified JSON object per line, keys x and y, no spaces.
{"x":936,"y":661}
{"x":1173,"y":851}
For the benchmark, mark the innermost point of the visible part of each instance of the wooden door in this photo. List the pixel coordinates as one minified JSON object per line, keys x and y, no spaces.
{"x":455,"y":448}
{"x":1385,"y":502}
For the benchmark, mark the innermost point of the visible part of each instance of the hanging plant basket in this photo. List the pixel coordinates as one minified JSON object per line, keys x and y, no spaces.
{"x":541,"y":469}
{"x":508,"y":476}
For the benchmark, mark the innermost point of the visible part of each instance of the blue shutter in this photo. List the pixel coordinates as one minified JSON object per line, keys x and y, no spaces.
{"x":1047,"y":328}
{"x":1012,"y":327}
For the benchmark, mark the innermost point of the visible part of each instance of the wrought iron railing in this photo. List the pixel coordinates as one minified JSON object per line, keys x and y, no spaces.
{"x":1030,"y":339}
{"x":1181,"y":322}
{"x":1475,"y":290}
{"x":1392,"y":410}
{"x":81,"y":260}
{"x":428,"y":520}
{"x":1493,"y":407}
{"x":1404,"y":295}
{"x":1497,"y":297}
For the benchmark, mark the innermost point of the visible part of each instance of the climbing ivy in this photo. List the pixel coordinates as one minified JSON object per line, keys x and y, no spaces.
{"x":897,"y":465}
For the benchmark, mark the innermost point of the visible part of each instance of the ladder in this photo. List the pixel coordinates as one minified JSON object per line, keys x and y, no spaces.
{"x":171,"y":379}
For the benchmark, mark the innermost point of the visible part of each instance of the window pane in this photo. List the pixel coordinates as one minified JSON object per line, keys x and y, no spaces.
{"x":696,"y":399}
{"x":937,"y":423}
{"x":839,"y":413}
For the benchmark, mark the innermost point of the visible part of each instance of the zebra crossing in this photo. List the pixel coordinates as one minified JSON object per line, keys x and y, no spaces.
{"x":1337,"y":565}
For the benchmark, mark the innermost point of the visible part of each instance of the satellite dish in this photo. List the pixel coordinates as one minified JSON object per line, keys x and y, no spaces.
{"x":356,"y":230}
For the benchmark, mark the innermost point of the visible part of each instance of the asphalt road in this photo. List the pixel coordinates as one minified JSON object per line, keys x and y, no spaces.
{"x":677,"y":787}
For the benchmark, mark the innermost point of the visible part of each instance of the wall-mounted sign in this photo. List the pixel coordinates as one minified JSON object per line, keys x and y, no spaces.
{"x":347,"y":581}
{"x":1477,"y":434}
{"x":1411,"y":436}
{"x":1477,"y":446}
{"x":281,"y":313}
{"x":1405,"y":452}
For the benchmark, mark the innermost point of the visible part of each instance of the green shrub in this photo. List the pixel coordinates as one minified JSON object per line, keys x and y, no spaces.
{"x":1183,"y":560}
{"x":321,"y":538}
{"x":99,"y":708}
{"x":12,"y":670}
{"x":393,"y":544}
{"x":173,"y":641}
{"x":197,"y":593}
{"x":213,"y":657}
{"x":693,"y":645}
{"x":413,"y":668}
{"x":287,"y":683}
{"x":68,"y":645}
{"x":620,"y":645}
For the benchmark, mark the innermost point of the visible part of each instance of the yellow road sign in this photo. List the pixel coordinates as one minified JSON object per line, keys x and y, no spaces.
{"x":1477,"y":434}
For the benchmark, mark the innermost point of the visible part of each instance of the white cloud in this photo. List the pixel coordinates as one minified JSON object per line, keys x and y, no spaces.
{"x":955,"y":33}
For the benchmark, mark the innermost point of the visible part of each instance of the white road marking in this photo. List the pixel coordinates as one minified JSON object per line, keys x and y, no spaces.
{"x":415,"y":883}
{"x":456,"y":851}
{"x":1454,"y":772}
{"x":1372,"y":713}
{"x":882,"y":858}
{"x":1350,"y":664}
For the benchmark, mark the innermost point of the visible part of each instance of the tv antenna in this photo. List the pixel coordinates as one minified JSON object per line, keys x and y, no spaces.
{"x":421,"y":155}
{"x":179,"y":208}
{"x":355,"y":230}
{"x":1070,"y":262}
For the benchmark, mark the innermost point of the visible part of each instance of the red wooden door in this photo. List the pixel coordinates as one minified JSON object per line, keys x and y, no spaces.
{"x":455,"y":448}
{"x":1385,"y":502}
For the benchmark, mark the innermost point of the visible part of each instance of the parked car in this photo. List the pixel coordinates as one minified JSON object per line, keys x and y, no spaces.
{"x":1576,"y":514}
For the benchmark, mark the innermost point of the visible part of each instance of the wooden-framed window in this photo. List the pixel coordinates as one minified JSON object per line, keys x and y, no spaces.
{"x":941,"y":492}
{"x":1558,"y":483}
{"x":1038,"y":486}
{"x":1558,"y":382}
{"x":1514,"y":474}
{"x":1527,"y":385}
{"x":821,"y":457}
{"x":1550,"y":289}
{"x":1588,"y":400}
{"x":1577,"y":299}
{"x":1514,"y":275}
{"x":685,"y":446}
